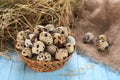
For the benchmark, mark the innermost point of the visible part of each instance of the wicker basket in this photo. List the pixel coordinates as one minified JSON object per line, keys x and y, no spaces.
{"x":40,"y":66}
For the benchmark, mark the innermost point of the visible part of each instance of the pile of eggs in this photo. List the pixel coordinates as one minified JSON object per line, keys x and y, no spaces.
{"x":46,"y":43}
{"x":101,"y":41}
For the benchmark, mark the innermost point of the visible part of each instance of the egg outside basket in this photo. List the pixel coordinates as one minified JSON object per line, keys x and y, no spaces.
{"x":41,"y":66}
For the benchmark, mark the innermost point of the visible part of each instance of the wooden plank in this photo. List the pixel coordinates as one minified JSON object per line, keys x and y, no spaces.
{"x":71,"y":68}
{"x":29,"y":74}
{"x":77,"y":68}
{"x":112,"y":75}
{"x":17,"y":70}
{"x":85,"y":68}
{"x":5,"y":68}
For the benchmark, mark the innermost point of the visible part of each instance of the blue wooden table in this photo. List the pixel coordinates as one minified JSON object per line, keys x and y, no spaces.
{"x":77,"y":68}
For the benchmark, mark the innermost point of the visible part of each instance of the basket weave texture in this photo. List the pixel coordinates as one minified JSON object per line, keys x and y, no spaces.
{"x":40,"y":66}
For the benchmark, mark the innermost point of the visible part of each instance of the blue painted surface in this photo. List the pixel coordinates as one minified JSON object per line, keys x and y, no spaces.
{"x":77,"y":68}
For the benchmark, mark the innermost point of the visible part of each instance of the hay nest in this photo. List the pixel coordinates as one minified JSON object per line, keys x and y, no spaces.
{"x":18,"y":15}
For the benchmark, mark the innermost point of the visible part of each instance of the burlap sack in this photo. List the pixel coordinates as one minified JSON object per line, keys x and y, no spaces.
{"x":100,"y":17}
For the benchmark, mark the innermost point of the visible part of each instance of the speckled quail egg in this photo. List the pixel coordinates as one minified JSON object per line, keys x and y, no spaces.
{"x":38,"y":29}
{"x":27,"y":52}
{"x":40,"y":57}
{"x":51,"y":49}
{"x":46,"y":56}
{"x":21,"y":35}
{"x":33,"y":37}
{"x":28,"y":43}
{"x":102,"y":45}
{"x":70,"y":48}
{"x":103,"y":37}
{"x":38,"y":47}
{"x":50,"y":28}
{"x":59,"y":39}
{"x":20,"y":44}
{"x":28,"y":31}
{"x":88,"y":37}
{"x":62,"y":30}
{"x":71,"y":39}
{"x":46,"y":38}
{"x":61,"y":54}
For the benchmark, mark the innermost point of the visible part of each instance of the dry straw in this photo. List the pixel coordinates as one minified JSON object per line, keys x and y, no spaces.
{"x":16,"y":15}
